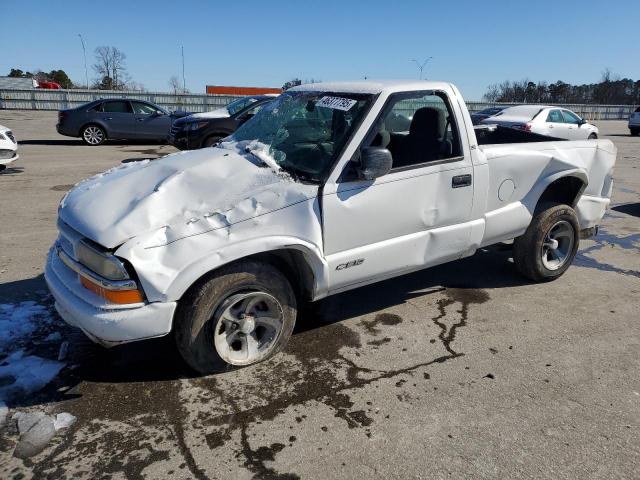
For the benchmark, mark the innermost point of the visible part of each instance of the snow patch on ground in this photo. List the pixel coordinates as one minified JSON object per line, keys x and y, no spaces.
{"x":22,"y":373}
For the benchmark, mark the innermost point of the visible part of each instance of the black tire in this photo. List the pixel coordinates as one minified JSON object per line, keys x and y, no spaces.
{"x":211,"y":141}
{"x":529,"y":249}
{"x":93,"y":135}
{"x":199,"y":312}
{"x":634,"y":131}
{"x":2,"y":167}
{"x":593,"y":136}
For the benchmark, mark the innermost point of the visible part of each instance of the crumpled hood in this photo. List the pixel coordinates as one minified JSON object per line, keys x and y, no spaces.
{"x":180,"y":195}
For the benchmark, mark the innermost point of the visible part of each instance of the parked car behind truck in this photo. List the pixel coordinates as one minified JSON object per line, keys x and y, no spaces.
{"x":554,"y":122}
{"x":116,"y":119}
{"x":201,"y":130}
{"x":634,"y":122}
{"x":8,"y":148}
{"x":315,"y":195}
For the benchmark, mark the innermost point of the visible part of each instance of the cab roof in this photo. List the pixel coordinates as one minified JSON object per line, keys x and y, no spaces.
{"x":373,"y":86}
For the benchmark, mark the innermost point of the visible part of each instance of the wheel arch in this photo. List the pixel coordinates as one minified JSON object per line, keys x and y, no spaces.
{"x":562,"y":187}
{"x":302,"y":264}
{"x":214,"y":134}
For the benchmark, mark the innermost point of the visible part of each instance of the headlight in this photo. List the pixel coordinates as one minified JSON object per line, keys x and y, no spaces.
{"x":104,"y":264}
{"x":195,"y":126}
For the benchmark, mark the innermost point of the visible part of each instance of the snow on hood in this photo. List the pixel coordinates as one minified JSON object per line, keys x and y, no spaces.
{"x":187,"y":193}
{"x":217,"y":113}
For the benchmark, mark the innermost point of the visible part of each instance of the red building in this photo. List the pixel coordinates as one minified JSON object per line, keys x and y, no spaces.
{"x":223,"y":90}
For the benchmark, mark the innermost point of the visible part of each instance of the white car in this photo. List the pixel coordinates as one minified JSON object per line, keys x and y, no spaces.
{"x":317,"y":194}
{"x":8,"y":148}
{"x":634,"y":122}
{"x":549,"y":121}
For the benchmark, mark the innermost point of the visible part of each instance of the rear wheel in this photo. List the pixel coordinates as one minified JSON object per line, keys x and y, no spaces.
{"x":634,"y":131}
{"x":93,"y":135}
{"x":211,"y":141}
{"x":549,"y":245}
{"x":2,"y":167}
{"x":243,"y":314}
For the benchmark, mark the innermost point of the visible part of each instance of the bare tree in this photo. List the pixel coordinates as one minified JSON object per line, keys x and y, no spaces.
{"x":111,"y":68}
{"x":174,"y":83}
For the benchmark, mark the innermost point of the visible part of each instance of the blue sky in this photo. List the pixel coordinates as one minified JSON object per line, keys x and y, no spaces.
{"x":265,"y":43}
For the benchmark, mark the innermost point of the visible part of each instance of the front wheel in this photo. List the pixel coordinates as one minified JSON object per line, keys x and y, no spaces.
{"x":593,"y":136}
{"x":93,"y":135}
{"x":634,"y":131}
{"x":211,"y":141}
{"x":241,"y":315}
{"x":549,"y":245}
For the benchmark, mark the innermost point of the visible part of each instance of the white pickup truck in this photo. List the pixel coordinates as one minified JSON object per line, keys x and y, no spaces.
{"x":331,"y":187}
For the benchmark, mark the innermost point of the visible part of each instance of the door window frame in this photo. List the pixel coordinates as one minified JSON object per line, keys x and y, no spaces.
{"x":349,"y":174}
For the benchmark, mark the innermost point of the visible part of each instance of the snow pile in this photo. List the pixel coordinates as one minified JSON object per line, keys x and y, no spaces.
{"x":20,"y":372}
{"x":36,"y":429}
{"x":27,"y":373}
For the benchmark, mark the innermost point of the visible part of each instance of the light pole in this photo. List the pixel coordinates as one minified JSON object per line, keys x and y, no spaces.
{"x":184,"y":84}
{"x":84,"y":52}
{"x":422,"y":65}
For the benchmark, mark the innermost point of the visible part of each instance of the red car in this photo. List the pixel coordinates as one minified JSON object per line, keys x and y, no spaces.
{"x":49,"y":85}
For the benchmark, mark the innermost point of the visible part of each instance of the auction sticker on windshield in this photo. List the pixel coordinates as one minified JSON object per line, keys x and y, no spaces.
{"x":337,"y":103}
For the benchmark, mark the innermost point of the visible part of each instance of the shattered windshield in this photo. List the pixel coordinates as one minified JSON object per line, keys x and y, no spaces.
{"x":302,"y":132}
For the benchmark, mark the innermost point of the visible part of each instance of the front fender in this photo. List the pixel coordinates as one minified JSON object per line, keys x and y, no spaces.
{"x":201,"y":266}
{"x":164,"y":280}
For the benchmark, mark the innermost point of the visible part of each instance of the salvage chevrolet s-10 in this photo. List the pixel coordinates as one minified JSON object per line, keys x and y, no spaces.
{"x":330,"y":187}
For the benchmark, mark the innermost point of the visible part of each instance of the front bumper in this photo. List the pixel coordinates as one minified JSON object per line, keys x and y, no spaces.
{"x":185,"y":140}
{"x":7,"y":161}
{"x":108,"y":325}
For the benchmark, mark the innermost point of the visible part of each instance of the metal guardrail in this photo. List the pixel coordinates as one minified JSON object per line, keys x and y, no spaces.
{"x":36,"y":99}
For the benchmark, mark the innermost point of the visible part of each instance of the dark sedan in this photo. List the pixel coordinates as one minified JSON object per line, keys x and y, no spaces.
{"x":115,"y":119}
{"x":201,"y":130}
{"x":477,"y":117}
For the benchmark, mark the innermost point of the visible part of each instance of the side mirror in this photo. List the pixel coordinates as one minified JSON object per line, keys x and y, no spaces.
{"x":581,"y":122}
{"x":374,"y":162}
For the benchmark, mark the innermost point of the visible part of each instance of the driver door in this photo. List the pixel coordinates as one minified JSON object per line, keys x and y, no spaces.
{"x":417,"y":215}
{"x":151,"y":123}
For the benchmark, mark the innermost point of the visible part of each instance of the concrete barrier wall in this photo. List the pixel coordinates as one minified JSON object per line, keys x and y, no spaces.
{"x":35,"y":99}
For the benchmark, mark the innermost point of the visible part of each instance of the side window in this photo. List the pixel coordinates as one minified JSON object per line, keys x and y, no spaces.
{"x":140,"y":108}
{"x":555,"y":117}
{"x":117,"y":107}
{"x":96,"y":108}
{"x":570,"y":117}
{"x":418,"y":129}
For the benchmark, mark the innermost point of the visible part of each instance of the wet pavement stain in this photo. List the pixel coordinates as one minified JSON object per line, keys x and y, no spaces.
{"x":386,"y":319}
{"x":606,"y":239}
{"x":317,"y":366}
{"x":62,"y":188}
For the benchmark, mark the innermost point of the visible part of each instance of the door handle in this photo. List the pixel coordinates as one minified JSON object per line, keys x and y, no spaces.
{"x":141,"y":119}
{"x":109,"y":118}
{"x":461,"y":181}
{"x":550,"y":126}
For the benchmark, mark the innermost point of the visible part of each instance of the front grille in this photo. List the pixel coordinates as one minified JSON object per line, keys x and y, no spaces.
{"x":9,"y":134}
{"x":6,"y":154}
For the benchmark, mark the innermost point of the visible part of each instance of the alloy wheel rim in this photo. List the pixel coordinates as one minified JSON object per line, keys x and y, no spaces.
{"x":248,"y":327}
{"x":557,"y":245}
{"x":93,"y":135}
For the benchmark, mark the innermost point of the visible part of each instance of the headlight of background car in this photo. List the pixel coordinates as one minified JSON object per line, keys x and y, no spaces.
{"x":196,"y":125}
{"x":104,"y":264}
